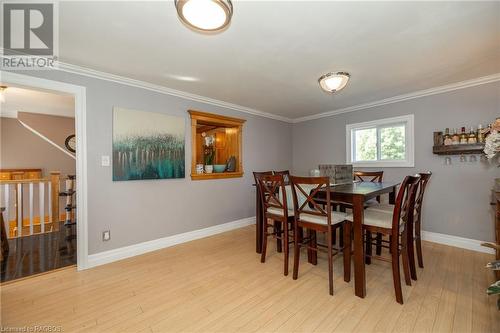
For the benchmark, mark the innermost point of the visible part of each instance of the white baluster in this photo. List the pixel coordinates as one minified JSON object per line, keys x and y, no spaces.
{"x":19,"y":210}
{"x":31,"y":207}
{"x":50,"y":202}
{"x":6,"y":199}
{"x":41,"y":195}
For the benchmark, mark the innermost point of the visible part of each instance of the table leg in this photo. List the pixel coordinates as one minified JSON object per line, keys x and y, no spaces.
{"x":258,"y":222}
{"x":277,"y":232}
{"x":359,"y":260}
{"x":392,"y":196}
{"x":312,"y":254}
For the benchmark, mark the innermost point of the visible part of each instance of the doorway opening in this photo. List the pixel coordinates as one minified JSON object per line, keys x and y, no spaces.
{"x":39,"y":177}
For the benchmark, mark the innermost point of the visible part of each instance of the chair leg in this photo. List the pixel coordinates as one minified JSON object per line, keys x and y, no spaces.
{"x":379,"y":244}
{"x":410,"y":251}
{"x":277,"y":231}
{"x":347,"y":252}
{"x":334,"y":236}
{"x":264,"y":242}
{"x":314,"y":244}
{"x":368,"y":248}
{"x":296,"y":251}
{"x":285,"y":244}
{"x":341,"y":236}
{"x":330,"y":262}
{"x":396,"y":275}
{"x":406,"y":259}
{"x":418,"y":243}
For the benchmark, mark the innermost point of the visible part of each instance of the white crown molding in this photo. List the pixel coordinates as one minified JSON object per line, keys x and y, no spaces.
{"x":463,"y":243}
{"x":405,"y":97}
{"x":74,"y":69}
{"x":106,"y":257}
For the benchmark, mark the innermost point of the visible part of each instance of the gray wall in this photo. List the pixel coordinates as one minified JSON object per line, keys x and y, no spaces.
{"x":22,"y":149}
{"x":458,"y":196}
{"x":138,"y":211}
{"x":457,"y":202}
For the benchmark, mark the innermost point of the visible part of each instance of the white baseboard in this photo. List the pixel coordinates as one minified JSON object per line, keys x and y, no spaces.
{"x":106,"y":257}
{"x":161,"y":243}
{"x":464,"y":243}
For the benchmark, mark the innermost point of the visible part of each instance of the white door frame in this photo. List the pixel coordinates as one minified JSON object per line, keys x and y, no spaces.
{"x":79,"y":94}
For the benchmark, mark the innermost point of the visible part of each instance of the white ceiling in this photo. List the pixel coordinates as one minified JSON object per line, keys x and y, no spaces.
{"x":273,"y":53}
{"x":19,"y":99}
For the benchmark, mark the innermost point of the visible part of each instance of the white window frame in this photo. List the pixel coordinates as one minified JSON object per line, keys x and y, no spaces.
{"x":408,"y":162}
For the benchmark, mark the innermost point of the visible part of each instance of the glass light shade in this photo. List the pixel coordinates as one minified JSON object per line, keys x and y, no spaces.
{"x":2,"y":91}
{"x":205,"y":15}
{"x":333,"y":82}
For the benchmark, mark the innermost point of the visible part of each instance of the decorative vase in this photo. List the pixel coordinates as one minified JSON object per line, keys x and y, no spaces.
{"x":199,"y":168}
{"x":209,"y":168}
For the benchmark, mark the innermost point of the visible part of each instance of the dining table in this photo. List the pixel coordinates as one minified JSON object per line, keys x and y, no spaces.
{"x":354,"y":194}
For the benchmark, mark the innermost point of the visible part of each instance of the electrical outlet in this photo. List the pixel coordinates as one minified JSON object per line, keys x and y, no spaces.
{"x":105,"y":161}
{"x":106,"y":236}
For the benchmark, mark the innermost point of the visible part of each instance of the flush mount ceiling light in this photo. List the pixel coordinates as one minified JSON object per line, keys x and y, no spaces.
{"x":2,"y":96}
{"x":333,"y":82}
{"x":205,"y":15}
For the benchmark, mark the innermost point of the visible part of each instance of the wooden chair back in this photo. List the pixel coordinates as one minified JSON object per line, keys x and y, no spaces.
{"x":313,"y":204}
{"x":272,"y":192}
{"x":261,"y":173}
{"x":285,"y":174}
{"x":405,"y":203}
{"x":369,"y":176}
{"x":424,"y":179}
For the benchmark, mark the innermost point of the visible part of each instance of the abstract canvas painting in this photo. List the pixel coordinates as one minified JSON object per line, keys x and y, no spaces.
{"x":147,"y":145}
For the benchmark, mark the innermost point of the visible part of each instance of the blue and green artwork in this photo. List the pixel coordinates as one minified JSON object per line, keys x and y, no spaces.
{"x":147,"y":145}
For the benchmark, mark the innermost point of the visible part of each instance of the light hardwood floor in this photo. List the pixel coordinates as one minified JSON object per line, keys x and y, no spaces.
{"x":217,"y":284}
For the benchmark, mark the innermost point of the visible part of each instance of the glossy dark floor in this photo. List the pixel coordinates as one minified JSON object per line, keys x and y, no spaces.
{"x":39,"y":253}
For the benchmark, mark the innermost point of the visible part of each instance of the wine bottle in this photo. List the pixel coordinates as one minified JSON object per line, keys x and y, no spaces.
{"x":447,"y":137}
{"x":472,"y":136}
{"x":480,"y":134}
{"x":463,"y":136}
{"x":455,"y":138}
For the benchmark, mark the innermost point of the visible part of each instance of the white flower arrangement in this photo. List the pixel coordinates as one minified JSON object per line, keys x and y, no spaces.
{"x":492,"y":143}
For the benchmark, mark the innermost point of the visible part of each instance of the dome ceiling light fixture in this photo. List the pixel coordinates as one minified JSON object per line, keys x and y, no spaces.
{"x":333,"y":82}
{"x":2,"y":95}
{"x":205,"y":15}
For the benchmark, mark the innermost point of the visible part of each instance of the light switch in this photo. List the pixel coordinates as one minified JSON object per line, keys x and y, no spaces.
{"x":105,"y":161}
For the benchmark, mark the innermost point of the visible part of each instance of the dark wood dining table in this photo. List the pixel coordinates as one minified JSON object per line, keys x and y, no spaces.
{"x":355,"y":194}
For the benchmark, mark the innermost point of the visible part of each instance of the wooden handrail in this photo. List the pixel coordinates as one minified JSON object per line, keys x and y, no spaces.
{"x":24,"y":181}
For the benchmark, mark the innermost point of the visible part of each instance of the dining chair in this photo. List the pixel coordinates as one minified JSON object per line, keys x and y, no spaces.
{"x":275,"y":207}
{"x":370,"y":176}
{"x":315,"y":214}
{"x":396,"y":225}
{"x":416,"y":228}
{"x":424,"y":179}
{"x":285,"y":174}
{"x":365,"y":176}
{"x":258,"y":205}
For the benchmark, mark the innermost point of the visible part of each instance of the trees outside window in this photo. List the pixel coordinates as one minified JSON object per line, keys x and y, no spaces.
{"x":385,"y":142}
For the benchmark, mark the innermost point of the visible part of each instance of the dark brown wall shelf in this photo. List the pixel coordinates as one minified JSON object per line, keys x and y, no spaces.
{"x":473,"y":148}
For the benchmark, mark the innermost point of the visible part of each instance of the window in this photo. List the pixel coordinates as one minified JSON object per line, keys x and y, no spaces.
{"x":381,"y":143}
